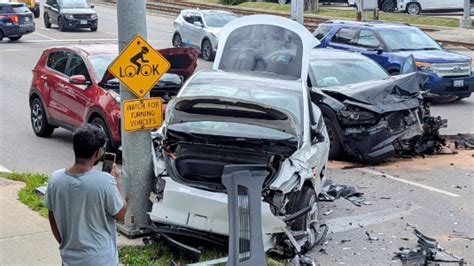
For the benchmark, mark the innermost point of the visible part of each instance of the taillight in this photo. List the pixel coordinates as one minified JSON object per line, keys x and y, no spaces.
{"x":14,"y":19}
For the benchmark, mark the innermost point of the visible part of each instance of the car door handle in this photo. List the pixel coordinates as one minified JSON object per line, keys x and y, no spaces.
{"x":44,"y":77}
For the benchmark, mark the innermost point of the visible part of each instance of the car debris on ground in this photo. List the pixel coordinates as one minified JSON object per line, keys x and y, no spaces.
{"x":331,"y":192}
{"x":426,"y":252}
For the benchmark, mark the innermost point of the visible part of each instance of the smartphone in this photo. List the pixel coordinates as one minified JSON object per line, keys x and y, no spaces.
{"x":109,"y":160}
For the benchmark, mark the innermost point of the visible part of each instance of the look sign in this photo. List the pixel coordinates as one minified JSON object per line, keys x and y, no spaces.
{"x":139,"y":66}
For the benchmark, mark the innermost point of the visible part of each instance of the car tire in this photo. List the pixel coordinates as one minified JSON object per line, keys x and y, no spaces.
{"x":100,"y":123}
{"x":16,"y":38}
{"x":94,"y":29}
{"x":61,"y":26}
{"x":335,"y":148}
{"x":283,"y":2}
{"x":1,"y":35}
{"x":413,"y":8}
{"x":389,"y":6}
{"x":177,"y":41}
{"x":206,"y":50}
{"x":300,"y":200}
{"x":39,"y":121}
{"x":47,"y":23}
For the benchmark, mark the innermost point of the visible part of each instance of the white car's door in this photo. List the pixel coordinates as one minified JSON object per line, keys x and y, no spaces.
{"x":431,"y":4}
{"x":453,"y":4}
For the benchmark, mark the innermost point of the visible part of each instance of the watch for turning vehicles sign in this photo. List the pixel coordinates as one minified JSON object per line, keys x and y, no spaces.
{"x":139,"y":66}
{"x":142,"y":114}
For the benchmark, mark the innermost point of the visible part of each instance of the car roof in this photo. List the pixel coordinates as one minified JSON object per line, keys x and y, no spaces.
{"x":11,"y":3}
{"x":90,"y":49}
{"x":258,"y":79}
{"x":329,"y":53}
{"x":372,"y":24}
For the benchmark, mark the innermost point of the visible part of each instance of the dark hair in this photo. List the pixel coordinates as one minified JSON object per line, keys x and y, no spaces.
{"x":87,"y":139}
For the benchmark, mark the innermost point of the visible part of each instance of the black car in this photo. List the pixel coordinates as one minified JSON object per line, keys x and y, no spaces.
{"x":70,"y":14}
{"x":371,"y":116}
{"x":16,"y":20}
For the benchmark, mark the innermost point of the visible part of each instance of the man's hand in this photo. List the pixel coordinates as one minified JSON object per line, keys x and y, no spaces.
{"x":116,"y":173}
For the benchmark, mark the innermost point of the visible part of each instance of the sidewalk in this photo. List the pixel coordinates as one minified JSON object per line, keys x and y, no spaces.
{"x":25,"y":236}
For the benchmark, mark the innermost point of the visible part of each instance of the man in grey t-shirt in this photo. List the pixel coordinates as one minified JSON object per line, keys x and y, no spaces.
{"x":84,"y":204}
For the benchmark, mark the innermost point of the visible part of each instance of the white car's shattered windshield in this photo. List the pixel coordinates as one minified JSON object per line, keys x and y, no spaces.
{"x":263,"y":48}
{"x":218,"y":20}
{"x":330,"y":72}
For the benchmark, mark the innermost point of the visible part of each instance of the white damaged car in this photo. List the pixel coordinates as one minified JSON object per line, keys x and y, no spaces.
{"x":252,"y":108}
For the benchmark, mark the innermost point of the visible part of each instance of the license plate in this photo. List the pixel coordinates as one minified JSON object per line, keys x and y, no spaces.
{"x":83,"y":21}
{"x":27,"y":19}
{"x":458,"y":83}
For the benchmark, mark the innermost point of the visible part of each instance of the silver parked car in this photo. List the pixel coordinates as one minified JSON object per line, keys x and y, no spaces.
{"x":199,"y":29}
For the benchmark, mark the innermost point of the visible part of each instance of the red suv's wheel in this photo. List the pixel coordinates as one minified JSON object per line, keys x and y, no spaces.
{"x":100,"y":123}
{"x":38,"y":119}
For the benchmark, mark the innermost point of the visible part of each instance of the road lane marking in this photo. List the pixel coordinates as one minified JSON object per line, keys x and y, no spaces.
{"x":4,"y":170}
{"x":44,"y":36}
{"x":373,"y":172}
{"x":342,"y":224}
{"x":108,"y":32}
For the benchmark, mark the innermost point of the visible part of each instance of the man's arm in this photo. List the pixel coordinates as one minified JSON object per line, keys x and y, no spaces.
{"x":54,"y":227}
{"x":116,"y":173}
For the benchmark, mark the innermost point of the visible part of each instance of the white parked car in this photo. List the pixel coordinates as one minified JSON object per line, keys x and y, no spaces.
{"x":415,"y":7}
{"x":199,"y":29}
{"x":252,"y":108}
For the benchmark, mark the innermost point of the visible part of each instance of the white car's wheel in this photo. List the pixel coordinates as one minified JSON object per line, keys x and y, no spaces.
{"x":413,"y":8}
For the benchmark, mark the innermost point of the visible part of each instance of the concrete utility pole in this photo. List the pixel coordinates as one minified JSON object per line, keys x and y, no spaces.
{"x":297,"y":11}
{"x":466,"y":18}
{"x":136,"y":146}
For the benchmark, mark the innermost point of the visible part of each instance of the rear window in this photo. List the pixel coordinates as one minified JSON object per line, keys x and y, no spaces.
{"x":263,"y":48}
{"x":344,"y":35}
{"x":20,"y":8}
{"x":321,"y":31}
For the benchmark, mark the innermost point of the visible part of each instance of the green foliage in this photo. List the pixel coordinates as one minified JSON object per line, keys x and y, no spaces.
{"x":27,"y":195}
{"x":231,"y":2}
{"x":159,"y":254}
{"x":351,"y":14}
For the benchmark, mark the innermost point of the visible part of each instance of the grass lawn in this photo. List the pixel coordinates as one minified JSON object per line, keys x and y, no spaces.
{"x":151,"y":254}
{"x":351,"y":14}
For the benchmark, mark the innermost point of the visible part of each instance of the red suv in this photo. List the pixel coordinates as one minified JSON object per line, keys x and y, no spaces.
{"x":71,"y":86}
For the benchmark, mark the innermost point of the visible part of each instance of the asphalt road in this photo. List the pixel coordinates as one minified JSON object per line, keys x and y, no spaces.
{"x":417,"y":192}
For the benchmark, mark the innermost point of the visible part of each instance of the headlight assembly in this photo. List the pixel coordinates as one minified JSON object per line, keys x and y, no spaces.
{"x":354,"y":117}
{"x":94,"y":16}
{"x":69,"y":16}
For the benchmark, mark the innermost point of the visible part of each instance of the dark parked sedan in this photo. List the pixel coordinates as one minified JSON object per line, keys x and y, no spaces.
{"x":70,"y":14}
{"x":16,"y":20}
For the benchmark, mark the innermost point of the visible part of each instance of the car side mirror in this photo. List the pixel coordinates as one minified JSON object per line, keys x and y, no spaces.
{"x":198,"y":24}
{"x":379,"y":50}
{"x":92,"y":6}
{"x":78,"y":80}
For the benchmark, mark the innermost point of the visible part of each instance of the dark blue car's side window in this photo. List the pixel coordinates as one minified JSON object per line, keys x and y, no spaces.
{"x":344,"y":36}
{"x":367,"y":39}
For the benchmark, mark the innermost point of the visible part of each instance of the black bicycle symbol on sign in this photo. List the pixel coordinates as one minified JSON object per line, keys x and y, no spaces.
{"x":139,"y":64}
